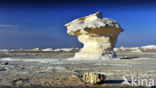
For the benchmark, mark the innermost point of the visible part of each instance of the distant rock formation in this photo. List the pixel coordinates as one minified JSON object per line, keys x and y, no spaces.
{"x":47,"y":49}
{"x":98,"y":34}
{"x":66,"y":49}
{"x":149,"y":47}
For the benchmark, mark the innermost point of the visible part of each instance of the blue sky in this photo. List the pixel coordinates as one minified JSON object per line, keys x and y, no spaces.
{"x":41,"y":24}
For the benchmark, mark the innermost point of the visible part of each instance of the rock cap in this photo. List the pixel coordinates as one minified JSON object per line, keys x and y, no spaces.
{"x":93,"y":21}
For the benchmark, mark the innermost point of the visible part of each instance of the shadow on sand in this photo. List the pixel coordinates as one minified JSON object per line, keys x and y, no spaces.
{"x":113,"y":81}
{"x":129,"y":57}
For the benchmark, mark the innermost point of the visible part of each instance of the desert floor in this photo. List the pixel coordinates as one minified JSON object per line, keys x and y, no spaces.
{"x":52,"y":69}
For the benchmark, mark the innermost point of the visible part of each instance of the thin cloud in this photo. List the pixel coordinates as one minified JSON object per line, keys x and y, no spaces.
{"x":8,"y":26}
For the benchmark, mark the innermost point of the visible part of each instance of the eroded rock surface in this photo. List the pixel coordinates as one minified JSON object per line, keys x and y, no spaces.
{"x":93,"y":78}
{"x":98,"y":34}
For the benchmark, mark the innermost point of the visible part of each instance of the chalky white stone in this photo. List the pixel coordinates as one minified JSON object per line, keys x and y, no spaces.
{"x":98,"y":34}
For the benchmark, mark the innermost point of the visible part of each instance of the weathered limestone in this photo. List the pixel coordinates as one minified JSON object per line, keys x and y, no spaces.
{"x":98,"y":34}
{"x":93,"y":78}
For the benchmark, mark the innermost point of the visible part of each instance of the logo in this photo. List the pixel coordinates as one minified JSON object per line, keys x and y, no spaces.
{"x":138,"y":81}
{"x":125,"y":81}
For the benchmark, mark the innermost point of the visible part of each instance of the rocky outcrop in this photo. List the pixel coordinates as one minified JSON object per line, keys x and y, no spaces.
{"x":98,"y":34}
{"x":93,"y":78}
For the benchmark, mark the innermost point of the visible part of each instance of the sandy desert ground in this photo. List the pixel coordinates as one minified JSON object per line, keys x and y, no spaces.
{"x":52,"y":69}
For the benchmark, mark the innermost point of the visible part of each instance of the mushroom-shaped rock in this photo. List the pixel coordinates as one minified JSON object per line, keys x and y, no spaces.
{"x":98,"y":34}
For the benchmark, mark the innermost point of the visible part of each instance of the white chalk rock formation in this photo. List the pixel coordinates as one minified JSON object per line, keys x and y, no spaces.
{"x":98,"y":34}
{"x":149,"y":47}
{"x":47,"y":49}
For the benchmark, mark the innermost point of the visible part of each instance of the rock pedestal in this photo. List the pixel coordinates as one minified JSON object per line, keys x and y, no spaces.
{"x":98,"y":34}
